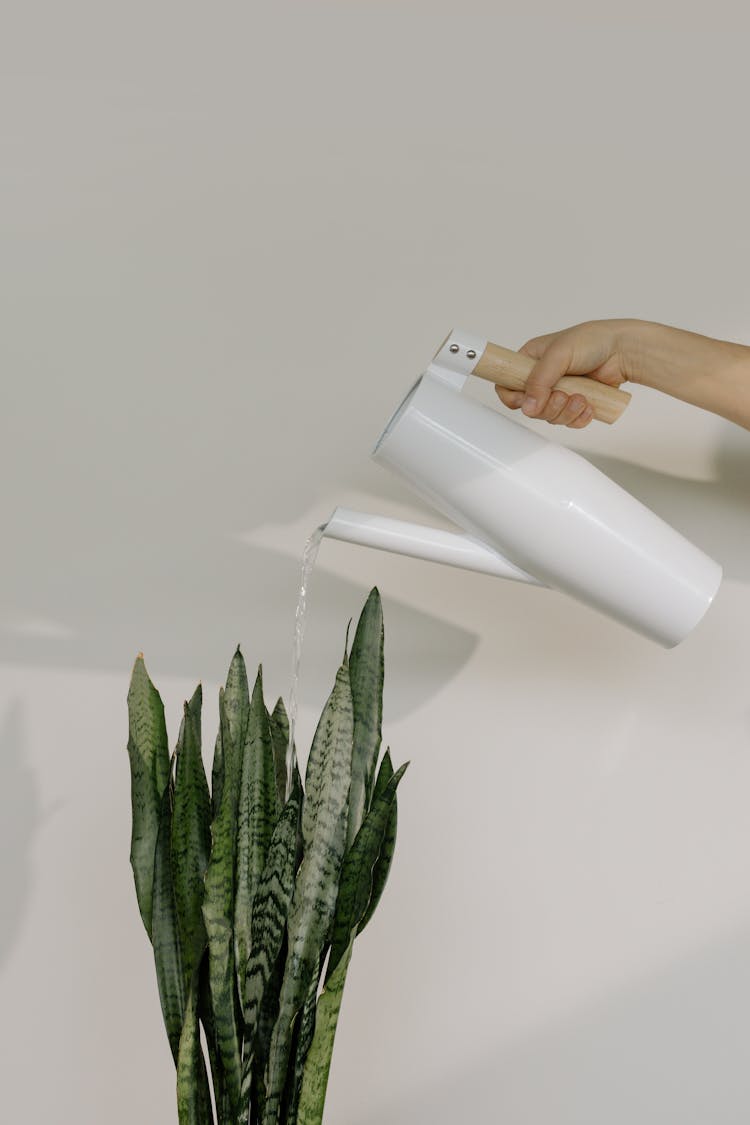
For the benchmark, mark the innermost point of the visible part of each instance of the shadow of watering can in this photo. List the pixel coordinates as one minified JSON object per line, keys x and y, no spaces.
{"x":531,"y":510}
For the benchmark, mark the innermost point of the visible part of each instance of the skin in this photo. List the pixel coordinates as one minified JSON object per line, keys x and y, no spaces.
{"x":711,"y":374}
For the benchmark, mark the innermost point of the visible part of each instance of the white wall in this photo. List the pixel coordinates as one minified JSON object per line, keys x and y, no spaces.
{"x":232,"y":235}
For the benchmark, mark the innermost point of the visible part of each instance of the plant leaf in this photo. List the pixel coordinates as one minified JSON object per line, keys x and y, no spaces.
{"x":257,"y":816}
{"x":355,"y":886}
{"x":280,"y":736}
{"x":237,"y":698}
{"x":165,"y":933}
{"x":148,"y":751}
{"x":271,"y":906}
{"x":270,"y":910}
{"x":191,"y":836}
{"x":324,"y":821}
{"x":193,"y":1096}
{"x":303,"y":1039}
{"x":366,"y":669}
{"x":382,"y":866}
{"x":206,"y":1016}
{"x":218,"y":910}
{"x":318,"y":1063}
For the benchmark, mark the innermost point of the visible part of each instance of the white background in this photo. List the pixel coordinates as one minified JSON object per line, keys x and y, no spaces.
{"x":232,"y":235}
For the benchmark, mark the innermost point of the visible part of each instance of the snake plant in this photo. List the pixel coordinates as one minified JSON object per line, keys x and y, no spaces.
{"x":253,"y":892}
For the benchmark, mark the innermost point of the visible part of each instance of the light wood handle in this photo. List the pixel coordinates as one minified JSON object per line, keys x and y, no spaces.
{"x":511,"y":369}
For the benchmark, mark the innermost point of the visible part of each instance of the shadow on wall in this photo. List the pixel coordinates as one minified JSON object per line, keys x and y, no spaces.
{"x":20,"y":819}
{"x":187,"y":603}
{"x":671,"y":1049}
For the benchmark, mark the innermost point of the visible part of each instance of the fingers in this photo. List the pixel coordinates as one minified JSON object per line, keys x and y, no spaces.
{"x":560,"y":410}
{"x":554,"y":362}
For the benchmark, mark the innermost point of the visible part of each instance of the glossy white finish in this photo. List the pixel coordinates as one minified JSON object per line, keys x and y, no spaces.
{"x":420,"y":542}
{"x":542,"y":508}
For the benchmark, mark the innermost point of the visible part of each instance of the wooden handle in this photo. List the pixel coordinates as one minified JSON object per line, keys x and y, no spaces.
{"x":511,"y":369}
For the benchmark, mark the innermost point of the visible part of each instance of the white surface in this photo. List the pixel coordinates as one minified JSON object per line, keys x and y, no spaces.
{"x":547,"y":510}
{"x":208,"y":214}
{"x":429,"y":544}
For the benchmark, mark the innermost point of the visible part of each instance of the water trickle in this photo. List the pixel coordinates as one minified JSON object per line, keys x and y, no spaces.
{"x":308,"y":562}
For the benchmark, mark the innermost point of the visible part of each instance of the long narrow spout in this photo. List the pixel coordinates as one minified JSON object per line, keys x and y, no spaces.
{"x":420,"y":542}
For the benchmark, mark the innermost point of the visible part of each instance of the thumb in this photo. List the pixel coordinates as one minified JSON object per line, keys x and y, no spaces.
{"x":551,"y":364}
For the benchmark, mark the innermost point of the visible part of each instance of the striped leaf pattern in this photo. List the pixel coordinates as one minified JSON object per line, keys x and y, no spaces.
{"x":247,"y":895}
{"x":193,"y":1096}
{"x":218,"y":902}
{"x":271,"y":906}
{"x":382,"y":866}
{"x":269,"y":916}
{"x":324,"y":821}
{"x":280,"y":737}
{"x":170,"y":974}
{"x":148,"y":751}
{"x":355,"y":887}
{"x":257,"y":816}
{"x":366,"y":671}
{"x":318,"y":1062}
{"x":191,"y":836}
{"x":303,"y":1039}
{"x":355,"y":890}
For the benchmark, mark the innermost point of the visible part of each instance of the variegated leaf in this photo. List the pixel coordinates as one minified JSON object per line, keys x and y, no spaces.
{"x":193,"y":1096}
{"x":318,"y":1062}
{"x":355,"y":885}
{"x":382,"y":866}
{"x":191,"y":836}
{"x":324,"y":820}
{"x":257,"y":815}
{"x":366,"y":670}
{"x":280,"y":736}
{"x":218,"y":912}
{"x":148,"y":751}
{"x":170,"y":974}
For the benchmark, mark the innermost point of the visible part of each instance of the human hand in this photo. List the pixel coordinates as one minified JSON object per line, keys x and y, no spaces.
{"x":712,"y":374}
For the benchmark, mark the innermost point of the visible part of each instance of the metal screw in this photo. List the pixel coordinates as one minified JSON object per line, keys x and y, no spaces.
{"x":453,"y":348}
{"x":471,"y":354}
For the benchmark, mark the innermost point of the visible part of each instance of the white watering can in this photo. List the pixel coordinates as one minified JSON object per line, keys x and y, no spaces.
{"x":532,"y":511}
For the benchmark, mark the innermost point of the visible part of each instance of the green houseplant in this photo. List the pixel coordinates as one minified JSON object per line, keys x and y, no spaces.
{"x":253,"y":892}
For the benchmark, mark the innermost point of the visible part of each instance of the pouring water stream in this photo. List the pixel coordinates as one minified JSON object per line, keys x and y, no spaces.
{"x":309,"y":556}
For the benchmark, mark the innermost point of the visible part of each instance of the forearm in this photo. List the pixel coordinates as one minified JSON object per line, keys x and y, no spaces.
{"x":711,"y":374}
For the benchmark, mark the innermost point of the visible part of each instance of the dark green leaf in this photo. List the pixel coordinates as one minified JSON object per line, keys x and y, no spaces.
{"x":318,"y":1061}
{"x":165,"y":933}
{"x":271,"y":906}
{"x":355,"y":886}
{"x":218,"y":911}
{"x":280,"y":736}
{"x":191,"y":836}
{"x":193,"y":1096}
{"x":303,"y":1039}
{"x":382,"y":866}
{"x":148,"y":751}
{"x":366,"y":668}
{"x":206,"y":1016}
{"x":324,"y":821}
{"x":237,"y":709}
{"x":257,"y":816}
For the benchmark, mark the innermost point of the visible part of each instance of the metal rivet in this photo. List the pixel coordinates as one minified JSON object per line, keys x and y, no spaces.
{"x":453,"y":348}
{"x":471,"y":354}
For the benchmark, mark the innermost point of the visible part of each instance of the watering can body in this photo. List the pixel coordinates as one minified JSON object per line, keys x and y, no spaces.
{"x":530,"y":510}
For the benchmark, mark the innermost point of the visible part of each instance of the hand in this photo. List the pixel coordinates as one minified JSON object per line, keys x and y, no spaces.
{"x":712,"y":374}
